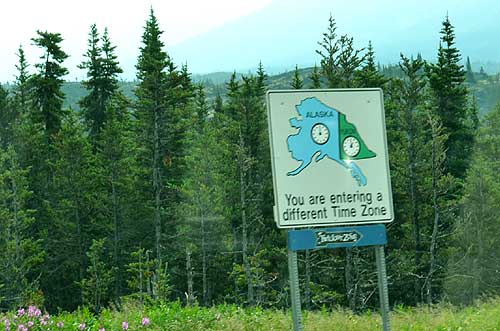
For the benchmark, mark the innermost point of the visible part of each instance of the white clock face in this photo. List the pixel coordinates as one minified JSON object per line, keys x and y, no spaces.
{"x":320,"y":133}
{"x":351,"y":146}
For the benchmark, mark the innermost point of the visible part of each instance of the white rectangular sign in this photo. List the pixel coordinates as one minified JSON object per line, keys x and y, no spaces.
{"x":329,"y":157}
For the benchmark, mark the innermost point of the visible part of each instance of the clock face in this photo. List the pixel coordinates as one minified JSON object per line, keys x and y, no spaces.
{"x":351,"y":146}
{"x":320,"y":133}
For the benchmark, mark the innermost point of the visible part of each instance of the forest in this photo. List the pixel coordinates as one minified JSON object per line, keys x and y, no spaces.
{"x":164,"y":193}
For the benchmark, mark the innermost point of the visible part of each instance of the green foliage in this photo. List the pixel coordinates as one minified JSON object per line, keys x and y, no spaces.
{"x":474,"y":261}
{"x":96,"y":286}
{"x":20,"y":253}
{"x":446,"y":80}
{"x":47,"y":98}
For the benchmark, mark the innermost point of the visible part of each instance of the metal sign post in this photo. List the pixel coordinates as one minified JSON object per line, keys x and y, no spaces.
{"x":295,"y":290}
{"x":339,"y":237}
{"x":382,"y":287}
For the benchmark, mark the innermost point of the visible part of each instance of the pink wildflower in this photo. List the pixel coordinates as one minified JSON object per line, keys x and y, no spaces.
{"x":60,"y":324}
{"x":21,"y":327}
{"x":102,"y":329}
{"x":30,"y":324}
{"x":82,"y":326}
{"x":21,"y":312}
{"x":145,"y":321}
{"x":125,"y":325}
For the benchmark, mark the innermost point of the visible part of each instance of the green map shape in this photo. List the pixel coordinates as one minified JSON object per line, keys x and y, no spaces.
{"x":349,"y":130}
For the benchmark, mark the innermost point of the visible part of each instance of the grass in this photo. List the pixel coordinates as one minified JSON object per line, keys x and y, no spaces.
{"x":172,"y":316}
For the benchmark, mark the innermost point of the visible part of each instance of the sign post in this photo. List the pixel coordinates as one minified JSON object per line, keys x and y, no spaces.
{"x":330,"y":168}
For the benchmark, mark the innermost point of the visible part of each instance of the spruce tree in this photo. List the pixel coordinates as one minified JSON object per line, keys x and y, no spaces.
{"x":21,"y":89}
{"x":47,"y":97}
{"x":469,"y":73}
{"x":164,"y":94}
{"x":369,"y":75}
{"x":329,"y":48}
{"x":102,"y":82}
{"x":21,"y":253}
{"x":297,"y":82}
{"x":315,"y":78}
{"x":446,"y":79}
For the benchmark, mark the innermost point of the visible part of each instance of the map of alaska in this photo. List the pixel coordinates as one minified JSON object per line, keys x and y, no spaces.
{"x":324,"y":132}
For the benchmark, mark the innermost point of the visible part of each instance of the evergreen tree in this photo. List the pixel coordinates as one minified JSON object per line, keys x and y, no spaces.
{"x":369,"y":75}
{"x":446,"y":79}
{"x":469,"y":74}
{"x":163,"y":97}
{"x":348,"y":62}
{"x":297,"y":82}
{"x":21,"y":89}
{"x":102,"y":83}
{"x":47,"y":96}
{"x":472,"y":267}
{"x":329,"y":48}
{"x":96,"y":286}
{"x":21,"y":253}
{"x":315,"y":78}
{"x":7,"y":119}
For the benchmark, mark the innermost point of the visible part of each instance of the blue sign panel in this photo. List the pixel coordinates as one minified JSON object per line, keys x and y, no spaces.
{"x":352,"y":236}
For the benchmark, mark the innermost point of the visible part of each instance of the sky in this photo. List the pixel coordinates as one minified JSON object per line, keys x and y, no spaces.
{"x":125,"y":19}
{"x":227,"y":35}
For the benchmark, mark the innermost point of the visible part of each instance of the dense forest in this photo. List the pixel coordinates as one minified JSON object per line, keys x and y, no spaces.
{"x":163,"y":191}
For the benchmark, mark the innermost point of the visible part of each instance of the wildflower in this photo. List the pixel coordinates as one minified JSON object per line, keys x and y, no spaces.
{"x":21,"y":312}
{"x":30,"y":324}
{"x":102,"y":329}
{"x":125,"y":325}
{"x":82,"y":326}
{"x":145,"y":321}
{"x":21,"y":327}
{"x":60,"y":324}
{"x":33,"y":311}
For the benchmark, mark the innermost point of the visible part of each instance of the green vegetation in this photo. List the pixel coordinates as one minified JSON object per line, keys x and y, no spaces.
{"x":173,"y":316}
{"x":160,"y":191}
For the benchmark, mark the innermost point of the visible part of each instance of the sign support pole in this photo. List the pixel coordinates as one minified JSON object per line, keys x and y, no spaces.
{"x":382,"y":286}
{"x":294,"y":290}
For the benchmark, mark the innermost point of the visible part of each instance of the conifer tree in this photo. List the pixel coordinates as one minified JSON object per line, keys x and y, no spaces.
{"x":102,"y":82}
{"x":315,"y":78}
{"x":468,"y":72}
{"x":164,"y":94}
{"x":329,"y":48}
{"x":151,"y":112}
{"x":7,"y":118}
{"x":369,"y":75}
{"x":21,"y":90}
{"x":47,"y":97}
{"x":297,"y":82}
{"x":446,"y":79}
{"x":21,"y":253}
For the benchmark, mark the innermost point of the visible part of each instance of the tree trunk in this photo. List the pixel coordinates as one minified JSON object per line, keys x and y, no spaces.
{"x":116,"y":246}
{"x":307,"y":285}
{"x":349,"y":279}
{"x":435,"y":227}
{"x":157,"y":190}
{"x":246,"y":262}
{"x":204,"y":261}
{"x":190,"y":281}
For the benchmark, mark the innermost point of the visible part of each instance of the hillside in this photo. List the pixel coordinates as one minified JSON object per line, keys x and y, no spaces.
{"x":485,"y":87}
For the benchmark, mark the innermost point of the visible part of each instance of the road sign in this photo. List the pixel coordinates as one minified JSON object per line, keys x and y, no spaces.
{"x":367,"y":235}
{"x":329,"y":157}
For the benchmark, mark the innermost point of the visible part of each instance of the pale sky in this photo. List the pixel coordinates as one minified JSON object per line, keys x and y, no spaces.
{"x":227,"y":35}
{"x":125,"y":19}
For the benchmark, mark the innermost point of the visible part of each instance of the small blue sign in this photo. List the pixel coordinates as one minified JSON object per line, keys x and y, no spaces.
{"x":352,"y":236}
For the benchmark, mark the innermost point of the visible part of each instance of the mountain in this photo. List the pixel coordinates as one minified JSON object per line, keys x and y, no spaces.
{"x":286,"y":32}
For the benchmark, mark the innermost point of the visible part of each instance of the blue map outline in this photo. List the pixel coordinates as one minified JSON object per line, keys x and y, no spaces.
{"x":305,"y":150}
